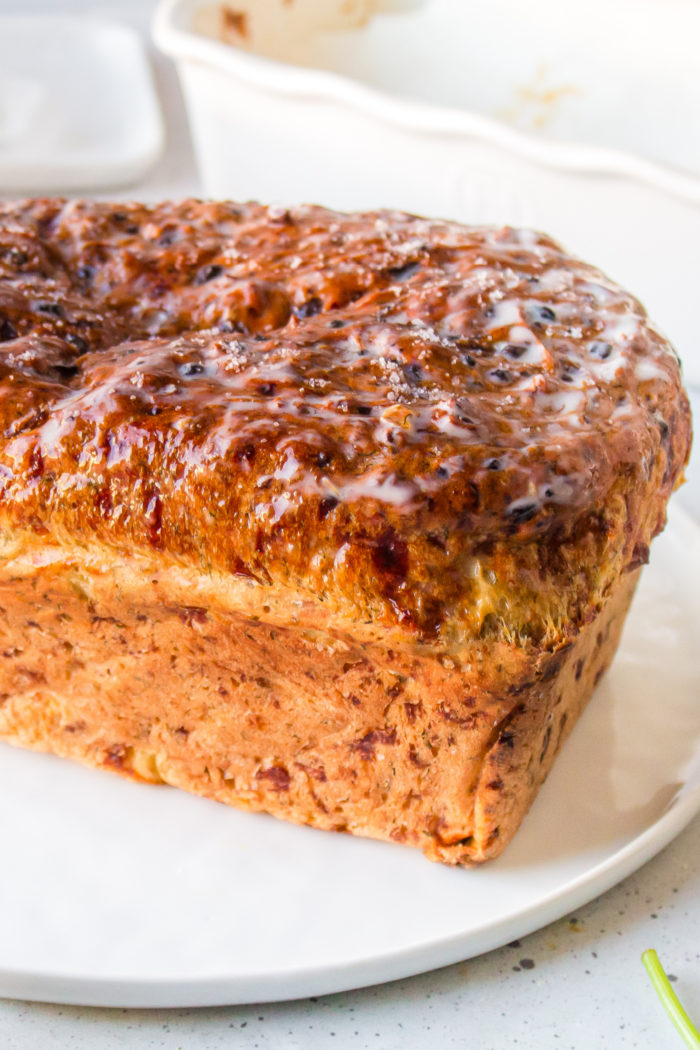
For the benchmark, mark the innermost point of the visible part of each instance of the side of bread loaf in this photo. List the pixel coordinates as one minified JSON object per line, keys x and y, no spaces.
{"x":109,"y":662}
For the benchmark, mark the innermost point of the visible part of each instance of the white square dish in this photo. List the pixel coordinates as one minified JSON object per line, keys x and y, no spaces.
{"x":78,"y":108}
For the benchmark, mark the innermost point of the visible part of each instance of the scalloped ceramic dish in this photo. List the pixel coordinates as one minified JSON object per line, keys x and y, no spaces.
{"x":553,"y":124}
{"x":613,"y":90}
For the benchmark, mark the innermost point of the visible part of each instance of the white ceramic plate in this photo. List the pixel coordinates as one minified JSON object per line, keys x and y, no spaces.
{"x":116,"y":893}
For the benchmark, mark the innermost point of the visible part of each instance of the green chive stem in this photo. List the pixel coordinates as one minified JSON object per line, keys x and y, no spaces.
{"x":670,"y":1001}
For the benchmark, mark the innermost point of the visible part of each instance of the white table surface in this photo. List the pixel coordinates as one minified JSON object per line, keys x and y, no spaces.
{"x":577,"y":983}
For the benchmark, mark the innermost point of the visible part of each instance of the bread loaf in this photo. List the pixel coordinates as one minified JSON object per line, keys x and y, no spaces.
{"x":331,"y":516}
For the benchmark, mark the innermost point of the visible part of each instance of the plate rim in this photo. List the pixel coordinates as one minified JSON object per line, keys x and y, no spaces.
{"x":220,"y":990}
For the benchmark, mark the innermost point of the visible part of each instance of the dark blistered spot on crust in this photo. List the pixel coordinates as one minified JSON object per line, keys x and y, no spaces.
{"x":54,"y":309}
{"x":66,"y":372}
{"x":365,"y":747}
{"x":239,"y":568}
{"x":553,"y":664}
{"x":276,"y":776}
{"x":154,"y":518}
{"x":208,"y":273}
{"x":562,"y":727}
{"x":413,"y":711}
{"x":74,"y":727}
{"x":104,"y":502}
{"x":517,"y":688}
{"x":415,"y":759}
{"x":522,"y":510}
{"x":436,"y":541}
{"x":465,"y":721}
{"x":36,"y":463}
{"x":326,"y":505}
{"x":545,"y":743}
{"x":78,"y":343}
{"x":7,"y":330}
{"x":310,"y":308}
{"x":317,"y":772}
{"x":245,"y":453}
{"x":506,"y":735}
{"x":390,"y":558}
{"x":192,"y":614}
{"x":402,"y":273}
{"x":640,"y":556}
{"x":116,"y":756}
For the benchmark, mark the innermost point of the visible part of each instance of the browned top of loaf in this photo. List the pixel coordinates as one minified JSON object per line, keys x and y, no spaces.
{"x":356,"y":406}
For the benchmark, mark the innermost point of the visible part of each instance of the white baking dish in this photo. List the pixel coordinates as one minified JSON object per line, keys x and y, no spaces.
{"x":614,"y":89}
{"x":275,"y":129}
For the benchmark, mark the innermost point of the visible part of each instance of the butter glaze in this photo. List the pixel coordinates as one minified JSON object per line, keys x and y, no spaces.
{"x":351,"y":405}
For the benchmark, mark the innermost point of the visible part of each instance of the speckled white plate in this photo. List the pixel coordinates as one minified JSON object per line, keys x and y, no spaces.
{"x":120,"y":894}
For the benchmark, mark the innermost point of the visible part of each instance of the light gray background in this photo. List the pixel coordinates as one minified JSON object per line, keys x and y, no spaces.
{"x":578,"y":983}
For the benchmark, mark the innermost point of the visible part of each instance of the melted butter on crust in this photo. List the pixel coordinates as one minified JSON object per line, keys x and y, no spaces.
{"x":358,"y":409}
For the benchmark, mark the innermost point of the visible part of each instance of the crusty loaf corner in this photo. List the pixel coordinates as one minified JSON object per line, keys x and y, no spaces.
{"x":336,"y":517}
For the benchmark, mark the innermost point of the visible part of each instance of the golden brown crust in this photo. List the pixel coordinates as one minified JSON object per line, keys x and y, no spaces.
{"x":409,"y":418}
{"x":319,"y":514}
